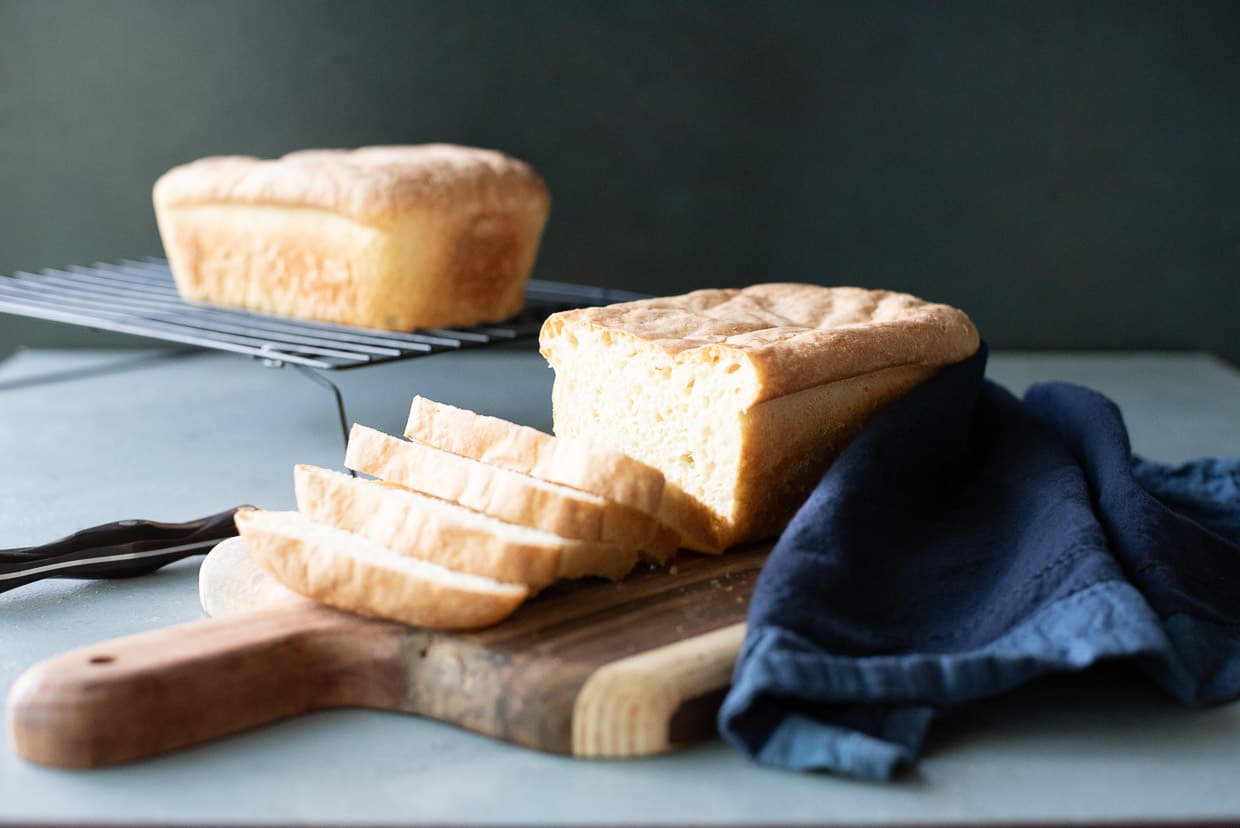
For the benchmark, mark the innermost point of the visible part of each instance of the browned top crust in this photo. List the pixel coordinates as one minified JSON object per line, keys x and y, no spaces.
{"x":795,"y":336}
{"x":370,"y":184}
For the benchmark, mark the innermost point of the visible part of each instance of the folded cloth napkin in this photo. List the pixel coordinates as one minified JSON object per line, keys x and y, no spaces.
{"x":967,"y":542}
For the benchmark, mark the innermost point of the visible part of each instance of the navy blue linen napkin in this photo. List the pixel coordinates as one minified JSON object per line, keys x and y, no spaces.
{"x":967,"y":542}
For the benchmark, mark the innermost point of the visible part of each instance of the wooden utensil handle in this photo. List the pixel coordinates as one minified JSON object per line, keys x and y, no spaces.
{"x":156,"y":692}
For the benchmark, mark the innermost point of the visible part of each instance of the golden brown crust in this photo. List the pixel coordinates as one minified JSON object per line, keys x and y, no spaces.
{"x":432,"y":269}
{"x":793,"y":336}
{"x":369,"y":185}
{"x":333,"y":568}
{"x":790,"y":442}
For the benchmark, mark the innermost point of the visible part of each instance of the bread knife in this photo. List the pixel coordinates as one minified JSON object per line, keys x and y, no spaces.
{"x":122,"y":549}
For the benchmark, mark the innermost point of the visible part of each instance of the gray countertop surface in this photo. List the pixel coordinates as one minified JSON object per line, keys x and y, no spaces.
{"x":91,"y":437}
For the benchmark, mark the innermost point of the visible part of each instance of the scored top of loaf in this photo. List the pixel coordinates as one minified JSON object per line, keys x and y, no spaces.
{"x":366,"y":184}
{"x":794,"y":336}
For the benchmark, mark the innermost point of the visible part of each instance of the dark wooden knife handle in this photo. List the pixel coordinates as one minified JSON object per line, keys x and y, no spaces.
{"x":121,"y":549}
{"x":156,"y":692}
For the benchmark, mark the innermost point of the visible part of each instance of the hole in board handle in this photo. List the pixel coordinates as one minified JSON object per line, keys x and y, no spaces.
{"x":102,"y":659}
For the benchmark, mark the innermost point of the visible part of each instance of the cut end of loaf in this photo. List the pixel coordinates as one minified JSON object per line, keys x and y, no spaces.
{"x":680,"y":415}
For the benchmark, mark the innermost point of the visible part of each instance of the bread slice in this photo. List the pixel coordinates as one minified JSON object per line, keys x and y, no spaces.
{"x":596,"y":469}
{"x":578,"y":464}
{"x":743,"y":398}
{"x":451,"y":535}
{"x":504,"y":494}
{"x":349,"y":572}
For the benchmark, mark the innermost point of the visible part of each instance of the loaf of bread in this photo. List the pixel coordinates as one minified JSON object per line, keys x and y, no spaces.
{"x":743,"y":398}
{"x":451,"y":535}
{"x":578,"y":464}
{"x":349,"y":572}
{"x":397,"y":238}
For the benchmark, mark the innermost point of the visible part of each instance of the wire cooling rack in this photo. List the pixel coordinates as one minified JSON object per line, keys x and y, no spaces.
{"x":137,"y":296}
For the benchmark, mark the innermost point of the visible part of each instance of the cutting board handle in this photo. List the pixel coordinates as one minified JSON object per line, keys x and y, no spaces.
{"x":156,"y":692}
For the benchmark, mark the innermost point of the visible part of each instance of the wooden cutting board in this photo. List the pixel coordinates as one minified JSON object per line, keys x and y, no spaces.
{"x":590,"y":669}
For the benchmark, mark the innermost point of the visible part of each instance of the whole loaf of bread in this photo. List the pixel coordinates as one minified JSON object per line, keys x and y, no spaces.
{"x":393,"y":237}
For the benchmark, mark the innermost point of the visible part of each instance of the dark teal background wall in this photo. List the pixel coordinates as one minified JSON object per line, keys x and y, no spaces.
{"x":1067,"y":172}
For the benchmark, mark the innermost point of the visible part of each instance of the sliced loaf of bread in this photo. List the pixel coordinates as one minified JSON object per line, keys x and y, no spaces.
{"x":451,"y":535}
{"x":745,"y":397}
{"x":505,"y":494}
{"x":353,"y":573}
{"x":574,"y":463}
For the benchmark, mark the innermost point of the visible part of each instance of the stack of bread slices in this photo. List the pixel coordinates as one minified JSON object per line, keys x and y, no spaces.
{"x":467,"y":517}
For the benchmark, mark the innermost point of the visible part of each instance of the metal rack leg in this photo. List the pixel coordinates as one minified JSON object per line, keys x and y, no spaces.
{"x":322,"y":381}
